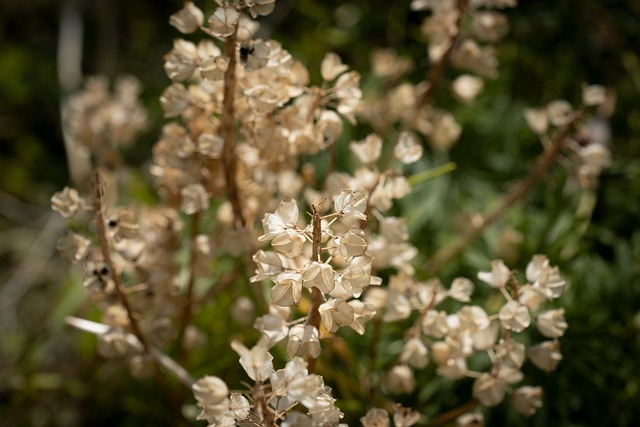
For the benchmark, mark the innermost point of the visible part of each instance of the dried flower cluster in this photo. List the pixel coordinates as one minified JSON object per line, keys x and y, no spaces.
{"x":331,"y":252}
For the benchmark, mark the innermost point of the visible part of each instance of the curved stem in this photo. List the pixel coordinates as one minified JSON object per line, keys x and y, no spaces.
{"x":435,"y":75}
{"x":98,"y":186}
{"x":446,"y":254}
{"x":454,"y":413}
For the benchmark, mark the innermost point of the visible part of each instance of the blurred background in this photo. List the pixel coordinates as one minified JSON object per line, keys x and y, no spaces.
{"x":51,"y":375}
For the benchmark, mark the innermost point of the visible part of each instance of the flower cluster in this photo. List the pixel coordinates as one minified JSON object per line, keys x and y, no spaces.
{"x":236,"y":153}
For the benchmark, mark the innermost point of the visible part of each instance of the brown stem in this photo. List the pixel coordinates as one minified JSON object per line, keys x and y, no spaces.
{"x":228,"y":132}
{"x":373,"y":356}
{"x":313,"y":317}
{"x":267,"y":418}
{"x":438,"y":70}
{"x":449,"y":252}
{"x":98,"y":184}
{"x":454,"y":413}
{"x":187,"y":311}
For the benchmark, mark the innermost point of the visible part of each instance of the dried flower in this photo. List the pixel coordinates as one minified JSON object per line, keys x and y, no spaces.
{"x":408,"y":150}
{"x":546,"y":355}
{"x":489,"y":390}
{"x":527,"y":400}
{"x":515,"y":316}
{"x":376,"y":417}
{"x":67,"y":202}
{"x":498,"y":276}
{"x":188,"y":19}
{"x":257,"y":361}
{"x":224,"y":20}
{"x":400,"y":380}
{"x":551,"y":323}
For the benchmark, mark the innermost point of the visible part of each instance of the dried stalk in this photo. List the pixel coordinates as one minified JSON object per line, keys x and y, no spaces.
{"x":446,"y":254}
{"x":98,"y":184}
{"x":435,"y":75}
{"x":228,"y":132}
{"x":454,"y":413}
{"x":313,"y":318}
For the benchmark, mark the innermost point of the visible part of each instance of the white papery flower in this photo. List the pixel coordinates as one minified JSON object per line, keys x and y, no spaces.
{"x":336,"y":313}
{"x":461,"y":289}
{"x":212,"y":395}
{"x":454,"y":368}
{"x":498,"y":276}
{"x":74,"y":247}
{"x":537,"y":120}
{"x":400,"y":380}
{"x":376,"y":417}
{"x":214,"y":68}
{"x":470,"y":419}
{"x":254,"y":54}
{"x":527,"y":400}
{"x":240,"y":406}
{"x":268,"y":265}
{"x":467,"y":87}
{"x":223,"y":21}
{"x":550,"y":284}
{"x":290,"y":243}
{"x":552,"y":323}
{"x":593,"y":94}
{"x":404,"y":417}
{"x":273,"y":327}
{"x":194,"y":198}
{"x":303,"y":341}
{"x":510,"y":352}
{"x":353,"y":243}
{"x":331,"y":67}
{"x":560,"y":112}
{"x":351,"y":203}
{"x":188,"y":19}
{"x":285,"y":217}
{"x":515,"y":316}
{"x":408,"y":148}
{"x":484,"y":339}
{"x":415,"y":354}
{"x":174,"y":100}
{"x":257,"y":362}
{"x":362,"y":313}
{"x":435,"y":324}
{"x":536,"y":267}
{"x":368,"y":150}
{"x":305,"y":389}
{"x":287,"y":289}
{"x":67,"y":202}
{"x":181,"y":61}
{"x":546,"y":355}
{"x":489,"y":390}
{"x":354,"y":279}
{"x":319,"y":275}
{"x":473,"y":318}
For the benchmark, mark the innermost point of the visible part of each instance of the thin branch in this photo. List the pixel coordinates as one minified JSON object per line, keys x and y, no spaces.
{"x":454,"y":413}
{"x":446,"y":254}
{"x":313,"y":317}
{"x":228,"y":132}
{"x":169,"y":364}
{"x":98,"y":184}
{"x":435,"y":75}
